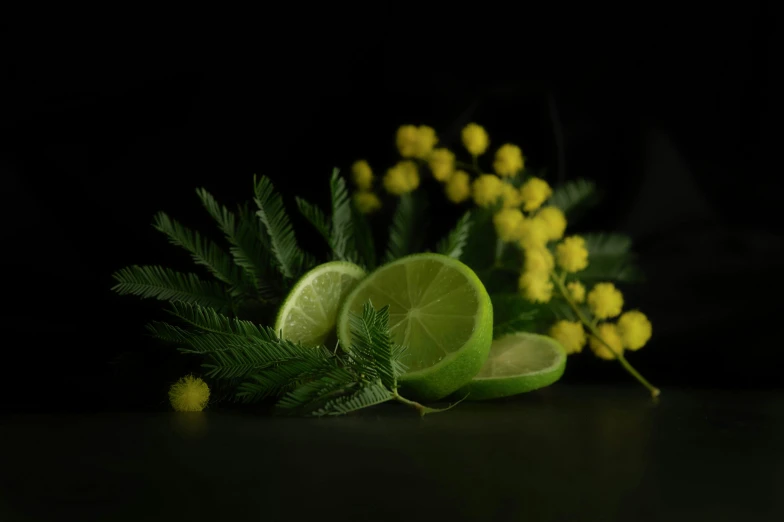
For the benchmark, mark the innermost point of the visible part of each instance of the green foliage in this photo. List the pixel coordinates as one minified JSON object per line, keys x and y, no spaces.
{"x":370,"y":394}
{"x":479,"y":251}
{"x":512,"y":313}
{"x":290,"y":259}
{"x":363,"y":239}
{"x":574,"y":198}
{"x":208,"y":320}
{"x":609,"y":259}
{"x":168,"y":285}
{"x":408,"y":224}
{"x":372,"y":348}
{"x":453,"y":245}
{"x":315,"y":216}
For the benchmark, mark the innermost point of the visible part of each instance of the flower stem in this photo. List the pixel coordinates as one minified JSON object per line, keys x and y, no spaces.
{"x":421,"y":409}
{"x":499,"y":251}
{"x":655,"y":392}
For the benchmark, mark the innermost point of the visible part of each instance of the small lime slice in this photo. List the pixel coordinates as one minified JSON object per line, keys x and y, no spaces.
{"x":518,"y":363}
{"x":439,"y":310}
{"x":309,"y":313}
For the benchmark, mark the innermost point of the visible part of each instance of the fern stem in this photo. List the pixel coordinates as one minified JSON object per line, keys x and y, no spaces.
{"x":655,"y":392}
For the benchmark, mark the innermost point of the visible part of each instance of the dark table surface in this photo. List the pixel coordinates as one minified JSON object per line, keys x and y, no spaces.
{"x":567,"y":453}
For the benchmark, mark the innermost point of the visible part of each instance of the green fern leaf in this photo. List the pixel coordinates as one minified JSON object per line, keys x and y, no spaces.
{"x":363,"y":239}
{"x":368,"y":395}
{"x":574,"y":197}
{"x":479,"y":252}
{"x":512,"y":313}
{"x":454,"y":243}
{"x":609,"y":259}
{"x":372,"y":346}
{"x":341,"y":231}
{"x":315,"y":216}
{"x":290,"y":258}
{"x":408,"y":223}
{"x":209,"y":320}
{"x":318,"y":390}
{"x":168,"y":285}
{"x":167,"y":332}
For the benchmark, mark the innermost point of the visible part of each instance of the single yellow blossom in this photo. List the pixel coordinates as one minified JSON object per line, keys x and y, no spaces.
{"x":475,"y":139}
{"x":510,"y":196}
{"x":570,"y":334}
{"x":442,"y":164}
{"x":605,"y":300}
{"x":635,"y":329}
{"x":507,"y":224}
{"x":189,"y":394}
{"x":362,"y":175}
{"x":458,"y":188}
{"x":402,"y":178}
{"x":508,"y":160}
{"x":487,"y":188}
{"x":609,"y":334}
{"x":366,"y":202}
{"x":415,"y":142}
{"x":571,"y":254}
{"x":555,"y":220}
{"x":576,"y":291}
{"x":536,"y":287}
{"x":534,"y":192}
{"x":533,"y":233}
{"x":539,"y":260}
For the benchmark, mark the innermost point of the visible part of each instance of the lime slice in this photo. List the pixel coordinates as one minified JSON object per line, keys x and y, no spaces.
{"x":439,"y":310}
{"x":518,"y":363}
{"x":310,"y":310}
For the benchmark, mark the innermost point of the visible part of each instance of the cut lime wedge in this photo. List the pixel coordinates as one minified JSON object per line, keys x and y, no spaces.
{"x":518,"y":363}
{"x":439,"y":310}
{"x":309,"y":313}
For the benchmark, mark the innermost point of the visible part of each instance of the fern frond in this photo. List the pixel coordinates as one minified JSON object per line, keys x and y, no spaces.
{"x":454,"y":243}
{"x":406,"y":230}
{"x":372,"y":346}
{"x":168,"y":332}
{"x":209,"y":320}
{"x":342,"y":229}
{"x":318,"y":390}
{"x":610,"y":259}
{"x":282,"y":240}
{"x":574,"y":196}
{"x":368,"y":395}
{"x":363,"y":239}
{"x":315,"y":216}
{"x":512,"y":313}
{"x":168,"y":285}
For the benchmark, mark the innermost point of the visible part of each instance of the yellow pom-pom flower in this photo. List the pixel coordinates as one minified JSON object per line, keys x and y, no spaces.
{"x":508,"y":160}
{"x":555,"y":220}
{"x":458,"y":188}
{"x":605,"y":301}
{"x":415,"y":142}
{"x":475,"y":139}
{"x":442,"y":164}
{"x":366,"y":202}
{"x":576,"y":291}
{"x":571,"y":254}
{"x":635,"y":329}
{"x":539,"y":260}
{"x":570,"y":334}
{"x":362,"y":175}
{"x":536,"y":286}
{"x":402,"y":178}
{"x":189,"y":394}
{"x":510,"y":196}
{"x":534,"y":192}
{"x":609,"y":334}
{"x":533,"y":233}
{"x":507,"y":224}
{"x":487,"y":189}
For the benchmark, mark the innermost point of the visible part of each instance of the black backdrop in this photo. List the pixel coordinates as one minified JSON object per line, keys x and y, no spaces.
{"x":106,"y":123}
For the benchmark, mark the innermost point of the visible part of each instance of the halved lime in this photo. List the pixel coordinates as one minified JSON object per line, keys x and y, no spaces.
{"x":309,"y":313}
{"x":518,"y":363}
{"x":439,"y":310}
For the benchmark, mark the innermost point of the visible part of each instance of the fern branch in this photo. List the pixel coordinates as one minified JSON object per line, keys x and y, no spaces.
{"x":454,"y":243}
{"x":405,"y":233}
{"x":372,"y":346}
{"x":208,"y":320}
{"x":574,"y":196}
{"x":315,"y":216}
{"x":273,"y":214}
{"x":368,"y":395}
{"x":363,"y":239}
{"x":168,"y":285}
{"x":341,"y":232}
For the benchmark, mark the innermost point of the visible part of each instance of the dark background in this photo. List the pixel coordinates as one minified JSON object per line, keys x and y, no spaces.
{"x":669,"y":108}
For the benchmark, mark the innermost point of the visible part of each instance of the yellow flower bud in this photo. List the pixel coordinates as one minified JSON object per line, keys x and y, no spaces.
{"x":475,"y":139}
{"x":487,"y":189}
{"x":415,"y":142}
{"x":189,"y":394}
{"x":536,"y":287}
{"x":605,"y":301}
{"x":508,"y":160}
{"x":402,"y":178}
{"x":635,"y":329}
{"x":609,"y":334}
{"x":458,"y":188}
{"x":571,"y":254}
{"x":555,"y":220}
{"x":362,"y":175}
{"x":576,"y":291}
{"x":533,"y":233}
{"x":507,"y":224}
{"x":534,"y":192}
{"x":570,"y":334}
{"x":539,"y":260}
{"x":510,"y":196}
{"x":366,"y":202}
{"x":442,"y":164}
